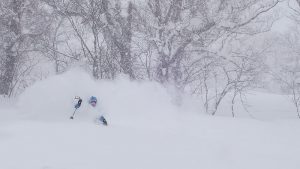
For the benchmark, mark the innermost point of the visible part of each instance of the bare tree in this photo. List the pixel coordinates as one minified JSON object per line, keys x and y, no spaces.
{"x":246,"y":69}
{"x":290,"y":80}
{"x":287,"y":73}
{"x":110,"y":49}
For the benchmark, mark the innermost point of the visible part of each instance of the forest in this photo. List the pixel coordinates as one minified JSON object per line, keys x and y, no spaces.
{"x":209,"y":48}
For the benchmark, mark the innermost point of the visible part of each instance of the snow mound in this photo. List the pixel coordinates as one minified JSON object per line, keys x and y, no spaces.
{"x":53,"y":98}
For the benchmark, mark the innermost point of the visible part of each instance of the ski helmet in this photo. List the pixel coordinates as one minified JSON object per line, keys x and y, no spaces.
{"x":93,"y":99}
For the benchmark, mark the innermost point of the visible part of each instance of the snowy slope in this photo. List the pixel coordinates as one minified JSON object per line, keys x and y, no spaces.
{"x":146,"y":130}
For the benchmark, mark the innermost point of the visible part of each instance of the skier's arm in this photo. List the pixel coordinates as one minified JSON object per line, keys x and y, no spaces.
{"x":78,"y":103}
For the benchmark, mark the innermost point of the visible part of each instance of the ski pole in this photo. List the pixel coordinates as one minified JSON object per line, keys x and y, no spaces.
{"x":72,"y":117}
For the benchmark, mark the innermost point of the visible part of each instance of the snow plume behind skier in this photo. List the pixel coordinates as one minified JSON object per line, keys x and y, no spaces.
{"x":124,"y":101}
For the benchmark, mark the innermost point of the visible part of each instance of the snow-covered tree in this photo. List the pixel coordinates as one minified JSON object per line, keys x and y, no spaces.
{"x":22,"y":22}
{"x":178,"y":29}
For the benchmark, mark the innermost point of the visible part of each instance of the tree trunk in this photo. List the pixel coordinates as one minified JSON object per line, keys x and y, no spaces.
{"x":233,"y":103}
{"x":10,"y":59}
{"x":7,"y":77}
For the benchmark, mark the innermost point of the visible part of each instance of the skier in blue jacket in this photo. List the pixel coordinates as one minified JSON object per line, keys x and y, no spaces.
{"x":93,"y":103}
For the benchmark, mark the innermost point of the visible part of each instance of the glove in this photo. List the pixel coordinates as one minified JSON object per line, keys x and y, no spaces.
{"x":78,"y":104}
{"x":103,"y":120}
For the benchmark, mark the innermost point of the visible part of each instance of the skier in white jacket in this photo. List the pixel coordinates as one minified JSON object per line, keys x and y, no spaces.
{"x":93,"y":102}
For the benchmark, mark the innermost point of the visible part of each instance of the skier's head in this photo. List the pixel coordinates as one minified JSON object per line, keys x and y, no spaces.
{"x":93,"y":101}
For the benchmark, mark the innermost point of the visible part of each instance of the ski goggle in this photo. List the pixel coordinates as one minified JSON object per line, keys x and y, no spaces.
{"x":93,"y":103}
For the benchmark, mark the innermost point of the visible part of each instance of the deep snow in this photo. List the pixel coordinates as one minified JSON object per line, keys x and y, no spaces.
{"x":147,"y":129}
